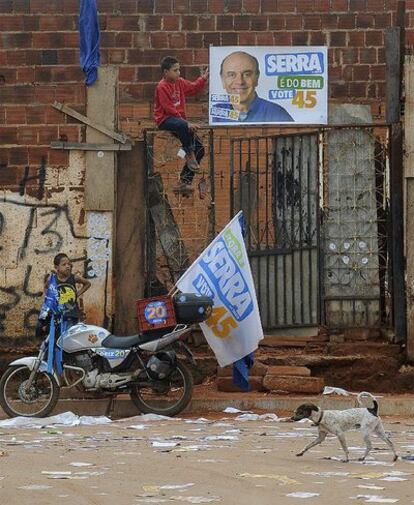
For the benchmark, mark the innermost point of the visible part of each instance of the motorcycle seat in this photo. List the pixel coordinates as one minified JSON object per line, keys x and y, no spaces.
{"x":115,"y":342}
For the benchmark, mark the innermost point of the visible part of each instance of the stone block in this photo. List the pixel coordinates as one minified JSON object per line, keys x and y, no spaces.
{"x":289,"y":370}
{"x":293,"y":384}
{"x":226,"y":384}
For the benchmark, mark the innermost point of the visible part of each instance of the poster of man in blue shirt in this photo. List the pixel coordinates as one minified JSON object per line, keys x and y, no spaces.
{"x":262,"y":85}
{"x":239,"y":74}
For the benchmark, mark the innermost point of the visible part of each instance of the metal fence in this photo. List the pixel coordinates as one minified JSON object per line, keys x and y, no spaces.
{"x":317,"y":208}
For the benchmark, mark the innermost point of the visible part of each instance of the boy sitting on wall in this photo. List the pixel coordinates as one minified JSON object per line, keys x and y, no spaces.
{"x":170,"y":115}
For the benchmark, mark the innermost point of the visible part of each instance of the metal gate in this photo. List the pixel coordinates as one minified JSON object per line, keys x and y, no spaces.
{"x":274,"y":180}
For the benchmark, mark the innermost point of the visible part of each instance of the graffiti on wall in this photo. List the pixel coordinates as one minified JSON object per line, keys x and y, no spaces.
{"x":40,"y":218}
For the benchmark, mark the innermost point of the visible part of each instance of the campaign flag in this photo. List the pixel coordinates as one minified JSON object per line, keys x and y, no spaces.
{"x":222,"y":271}
{"x":90,"y":57}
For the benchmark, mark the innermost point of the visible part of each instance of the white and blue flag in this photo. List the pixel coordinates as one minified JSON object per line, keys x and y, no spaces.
{"x":222,"y":271}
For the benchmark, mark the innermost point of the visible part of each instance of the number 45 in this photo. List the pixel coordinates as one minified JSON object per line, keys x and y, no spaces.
{"x":302,"y":99}
{"x":220,"y":325}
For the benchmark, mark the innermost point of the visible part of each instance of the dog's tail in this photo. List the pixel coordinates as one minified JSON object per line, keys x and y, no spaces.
{"x":373,"y":409}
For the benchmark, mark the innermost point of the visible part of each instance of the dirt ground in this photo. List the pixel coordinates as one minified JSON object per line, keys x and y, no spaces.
{"x":222,"y":459}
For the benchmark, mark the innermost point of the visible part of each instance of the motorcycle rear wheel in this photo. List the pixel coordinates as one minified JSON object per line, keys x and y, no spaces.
{"x":37,"y":401}
{"x":173,"y":395}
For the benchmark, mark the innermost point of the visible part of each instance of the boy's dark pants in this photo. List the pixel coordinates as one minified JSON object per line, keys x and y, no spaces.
{"x":189,"y":140}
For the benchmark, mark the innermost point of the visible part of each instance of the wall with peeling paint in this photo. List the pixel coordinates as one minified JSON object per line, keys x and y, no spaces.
{"x":38,"y":219}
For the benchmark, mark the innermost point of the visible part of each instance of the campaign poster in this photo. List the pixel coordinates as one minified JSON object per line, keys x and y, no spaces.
{"x":252,"y":85}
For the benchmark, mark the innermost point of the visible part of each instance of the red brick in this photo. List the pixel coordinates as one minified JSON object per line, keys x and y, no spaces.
{"x":25,"y":75}
{"x":282,"y":38}
{"x":247,"y":39}
{"x":36,"y":115}
{"x":361,"y":72}
{"x":374,"y":38}
{"x":28,"y":135}
{"x":293,"y":22}
{"x":357,"y":5}
{"x":337,"y":39}
{"x":339,"y":5}
{"x":318,"y":38}
{"x":72,"y":6}
{"x":356,"y":39}
{"x":159,"y":39}
{"x":212,"y":38}
{"x":229,"y":39}
{"x":224,"y":23}
{"x":377,"y":72}
{"x":40,"y":6}
{"x":364,"y":21}
{"x":258,"y":23}
{"x":312,"y":22}
{"x":176,"y":40}
{"x":304,"y":6}
{"x":19,"y":156}
{"x":322,"y":5}
{"x":11,"y":23}
{"x":171,"y":23}
{"x":127,"y":74}
{"x":286,"y":6}
{"x":195,"y":40}
{"x":251,"y":6}
{"x":329,"y":21}
{"x":275,"y":22}
{"x":189,"y":23}
{"x":368,"y":55}
{"x":300,"y":38}
{"x":207,"y":23}
{"x":382,"y":20}
{"x":163,"y":6}
{"x":181,"y":6}
{"x":16,"y":40}
{"x":199,"y":6}
{"x":15,"y":115}
{"x":346,"y":21}
{"x":265,"y":39}
{"x":31,"y":23}
{"x":234,"y":5}
{"x":68,"y":133}
{"x":201,"y":57}
{"x":57,"y":23}
{"x":16,"y":94}
{"x":145,"y":6}
{"x":58,"y":157}
{"x":9,"y":135}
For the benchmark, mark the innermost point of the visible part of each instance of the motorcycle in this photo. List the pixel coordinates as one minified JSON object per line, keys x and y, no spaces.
{"x":145,"y":365}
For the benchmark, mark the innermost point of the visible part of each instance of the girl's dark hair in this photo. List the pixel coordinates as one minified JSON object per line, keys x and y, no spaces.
{"x":58,"y":258}
{"x":168,"y":62}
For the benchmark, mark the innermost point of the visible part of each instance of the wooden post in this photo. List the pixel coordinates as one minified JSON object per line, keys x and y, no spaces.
{"x":409,"y":180}
{"x":393,"y":106}
{"x":100,"y":166}
{"x":130,"y":238}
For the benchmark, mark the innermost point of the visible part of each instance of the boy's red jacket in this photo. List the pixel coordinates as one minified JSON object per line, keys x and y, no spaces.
{"x":170,"y":97}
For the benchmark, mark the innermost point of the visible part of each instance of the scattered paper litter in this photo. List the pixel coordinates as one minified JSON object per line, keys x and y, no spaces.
{"x":137,"y":427}
{"x":328,"y":390}
{"x":377,"y":488}
{"x":195,"y":499}
{"x":256,"y":417}
{"x":282,"y":479}
{"x":220,"y":437}
{"x":65,"y":419}
{"x":156,"y":443}
{"x":80,"y":463}
{"x":371,"y":498}
{"x":232,"y":410}
{"x":200,"y":420}
{"x":177,"y":486}
{"x":393,"y":478}
{"x":34,"y":487}
{"x":157,"y":417}
{"x":302,"y":495}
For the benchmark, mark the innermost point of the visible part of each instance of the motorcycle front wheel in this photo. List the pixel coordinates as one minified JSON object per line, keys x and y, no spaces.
{"x":167,"y":397}
{"x":36,"y":401}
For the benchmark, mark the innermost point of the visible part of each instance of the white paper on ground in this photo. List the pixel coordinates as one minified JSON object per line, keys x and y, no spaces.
{"x":302,"y":495}
{"x":65,"y":419}
{"x":232,"y":410}
{"x":195,"y":499}
{"x":257,"y":417}
{"x":371,"y":498}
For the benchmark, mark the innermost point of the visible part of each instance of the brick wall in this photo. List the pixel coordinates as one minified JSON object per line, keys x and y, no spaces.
{"x":39,"y":63}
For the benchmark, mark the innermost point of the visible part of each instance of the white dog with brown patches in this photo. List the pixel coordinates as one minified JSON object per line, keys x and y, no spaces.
{"x":338,"y":422}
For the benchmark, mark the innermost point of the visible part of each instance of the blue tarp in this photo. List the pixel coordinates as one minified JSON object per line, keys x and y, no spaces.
{"x":90,"y":57}
{"x":241,"y":372}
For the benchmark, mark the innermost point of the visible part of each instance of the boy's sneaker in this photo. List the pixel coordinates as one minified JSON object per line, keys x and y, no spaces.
{"x":184,"y":188}
{"x":193,"y":166}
